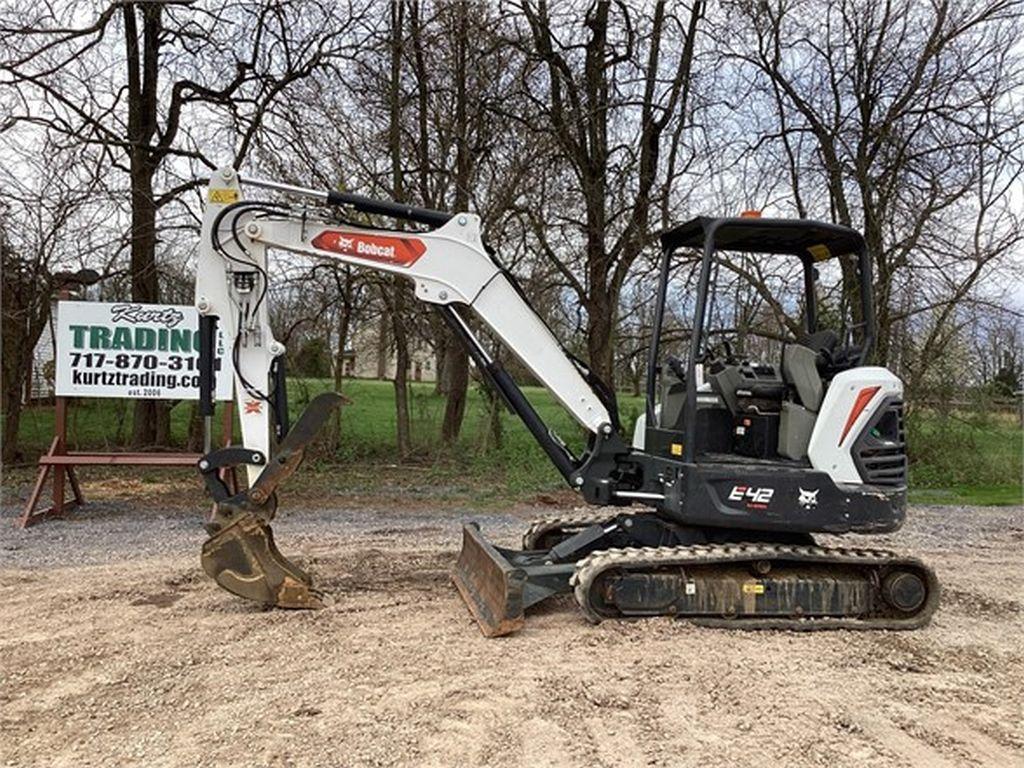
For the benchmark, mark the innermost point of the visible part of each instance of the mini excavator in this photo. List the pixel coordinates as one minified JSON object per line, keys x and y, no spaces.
{"x":707,"y":513}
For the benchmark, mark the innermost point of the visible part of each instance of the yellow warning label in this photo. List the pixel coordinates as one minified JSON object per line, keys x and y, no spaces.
{"x":223,"y":196}
{"x":677,"y":449}
{"x":753,"y":589}
{"x":819,"y":252}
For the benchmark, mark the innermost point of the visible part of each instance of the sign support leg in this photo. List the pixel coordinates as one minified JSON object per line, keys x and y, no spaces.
{"x":61,"y":473}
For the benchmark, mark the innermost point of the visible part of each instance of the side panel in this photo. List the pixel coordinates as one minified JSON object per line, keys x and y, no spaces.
{"x":780,"y":499}
{"x":852,"y":398}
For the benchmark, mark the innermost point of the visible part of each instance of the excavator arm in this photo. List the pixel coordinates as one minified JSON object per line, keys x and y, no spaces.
{"x":448,"y":264}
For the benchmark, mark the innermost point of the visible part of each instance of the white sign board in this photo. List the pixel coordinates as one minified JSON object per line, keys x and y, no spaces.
{"x":132,"y":350}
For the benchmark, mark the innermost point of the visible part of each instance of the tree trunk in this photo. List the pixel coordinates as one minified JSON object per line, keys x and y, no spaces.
{"x":26,"y":310}
{"x":456,"y":373}
{"x":442,"y":340}
{"x":194,"y":443}
{"x":401,"y":381}
{"x":396,"y":286}
{"x":494,"y":436}
{"x":344,"y":320}
{"x":600,"y":347}
{"x":14,"y":385}
{"x":456,"y":363}
{"x":151,"y":421}
{"x":601,"y":321}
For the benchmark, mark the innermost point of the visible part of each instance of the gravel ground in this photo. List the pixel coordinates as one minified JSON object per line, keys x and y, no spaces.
{"x":117,"y":651}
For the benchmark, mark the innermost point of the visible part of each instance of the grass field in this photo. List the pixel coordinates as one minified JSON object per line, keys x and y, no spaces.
{"x":956,"y":459}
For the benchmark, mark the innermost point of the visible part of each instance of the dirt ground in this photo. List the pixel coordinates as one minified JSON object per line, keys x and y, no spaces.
{"x":115,"y":650}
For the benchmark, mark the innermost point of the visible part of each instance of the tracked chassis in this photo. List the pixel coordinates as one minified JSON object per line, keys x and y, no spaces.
{"x":613,"y":572}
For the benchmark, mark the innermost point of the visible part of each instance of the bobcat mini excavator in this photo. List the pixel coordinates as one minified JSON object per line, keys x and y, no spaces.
{"x":709,"y":515}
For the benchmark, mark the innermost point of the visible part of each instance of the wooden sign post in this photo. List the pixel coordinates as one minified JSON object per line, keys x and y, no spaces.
{"x":61,"y":463}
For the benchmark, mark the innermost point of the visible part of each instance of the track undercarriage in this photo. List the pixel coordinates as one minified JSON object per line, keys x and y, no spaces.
{"x":639,"y":565}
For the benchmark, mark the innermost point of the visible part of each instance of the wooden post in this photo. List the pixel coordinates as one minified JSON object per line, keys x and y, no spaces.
{"x":61,"y":434}
{"x":55,"y":461}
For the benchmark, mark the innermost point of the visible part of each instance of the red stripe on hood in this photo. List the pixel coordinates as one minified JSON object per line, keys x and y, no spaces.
{"x":863,"y":398}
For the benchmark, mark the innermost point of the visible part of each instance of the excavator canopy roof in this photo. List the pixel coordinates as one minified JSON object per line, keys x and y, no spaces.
{"x":812,"y":240}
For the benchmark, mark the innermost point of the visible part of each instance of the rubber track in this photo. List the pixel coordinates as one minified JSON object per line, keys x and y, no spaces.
{"x":592,"y":566}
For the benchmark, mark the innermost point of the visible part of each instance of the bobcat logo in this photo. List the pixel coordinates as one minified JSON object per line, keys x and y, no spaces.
{"x":808,"y":499}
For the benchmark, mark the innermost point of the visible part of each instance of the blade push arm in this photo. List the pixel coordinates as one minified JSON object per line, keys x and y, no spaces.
{"x":448,"y":265}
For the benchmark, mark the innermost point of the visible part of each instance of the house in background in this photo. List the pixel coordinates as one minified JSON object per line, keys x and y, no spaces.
{"x":371,"y":355}
{"x":39,"y":384}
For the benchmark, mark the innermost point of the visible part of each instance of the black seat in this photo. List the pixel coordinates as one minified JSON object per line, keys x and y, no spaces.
{"x":831,"y":358}
{"x":822,"y":343}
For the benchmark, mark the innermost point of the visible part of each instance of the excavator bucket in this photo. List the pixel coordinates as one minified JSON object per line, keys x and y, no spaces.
{"x":240,"y":554}
{"x":491,"y":587}
{"x":243,"y":559}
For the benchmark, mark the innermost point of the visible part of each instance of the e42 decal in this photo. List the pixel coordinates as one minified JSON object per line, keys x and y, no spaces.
{"x":752,"y":496}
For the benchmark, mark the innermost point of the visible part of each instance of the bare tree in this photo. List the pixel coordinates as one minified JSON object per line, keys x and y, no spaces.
{"x":47,"y":221}
{"x":894,"y":118}
{"x":176,"y":66}
{"x":397,"y":298}
{"x":462,"y":84}
{"x":616,"y":106}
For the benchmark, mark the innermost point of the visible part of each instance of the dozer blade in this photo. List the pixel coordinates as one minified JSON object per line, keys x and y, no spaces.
{"x":243,"y":559}
{"x":491,"y":587}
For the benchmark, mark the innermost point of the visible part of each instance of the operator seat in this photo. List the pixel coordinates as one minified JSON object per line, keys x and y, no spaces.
{"x":800,"y":371}
{"x":823,"y":343}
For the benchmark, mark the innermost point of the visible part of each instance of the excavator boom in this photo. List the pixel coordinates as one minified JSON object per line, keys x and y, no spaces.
{"x":448,"y":265}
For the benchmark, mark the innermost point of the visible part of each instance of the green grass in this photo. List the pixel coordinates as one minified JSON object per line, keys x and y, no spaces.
{"x":955,"y":458}
{"x":979,"y":495}
{"x":515,"y":467}
{"x":971,"y":458}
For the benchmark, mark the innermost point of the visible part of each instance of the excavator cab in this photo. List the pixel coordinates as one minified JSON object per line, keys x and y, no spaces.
{"x":720,"y":400}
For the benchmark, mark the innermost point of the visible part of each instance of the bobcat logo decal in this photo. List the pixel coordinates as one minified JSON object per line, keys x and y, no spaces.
{"x":808,"y":499}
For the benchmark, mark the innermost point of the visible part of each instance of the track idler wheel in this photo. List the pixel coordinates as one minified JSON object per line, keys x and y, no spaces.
{"x":243,"y":559}
{"x":904,"y":591}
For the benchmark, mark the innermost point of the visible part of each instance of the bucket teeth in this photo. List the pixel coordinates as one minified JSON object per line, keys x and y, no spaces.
{"x":243,"y":559}
{"x":491,"y":587}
